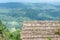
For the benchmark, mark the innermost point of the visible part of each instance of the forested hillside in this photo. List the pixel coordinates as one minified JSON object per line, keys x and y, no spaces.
{"x":13,"y":14}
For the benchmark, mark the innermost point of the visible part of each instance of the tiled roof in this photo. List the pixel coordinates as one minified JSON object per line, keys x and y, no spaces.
{"x":40,"y":30}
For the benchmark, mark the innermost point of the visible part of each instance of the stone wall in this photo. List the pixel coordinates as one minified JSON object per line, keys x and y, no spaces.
{"x":40,"y":30}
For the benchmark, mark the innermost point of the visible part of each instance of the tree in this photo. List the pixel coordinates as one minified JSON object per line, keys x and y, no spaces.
{"x":16,"y":35}
{"x":2,"y":28}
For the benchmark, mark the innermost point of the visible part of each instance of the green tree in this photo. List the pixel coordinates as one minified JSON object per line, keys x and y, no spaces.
{"x":16,"y":35}
{"x":2,"y":28}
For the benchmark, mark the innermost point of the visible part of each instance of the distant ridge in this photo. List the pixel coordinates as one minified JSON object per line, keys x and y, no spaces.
{"x":12,"y":5}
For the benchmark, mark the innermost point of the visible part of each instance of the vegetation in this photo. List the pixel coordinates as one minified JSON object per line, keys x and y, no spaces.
{"x":7,"y":34}
{"x":19,"y":12}
{"x":49,"y":38}
{"x":57,"y":32}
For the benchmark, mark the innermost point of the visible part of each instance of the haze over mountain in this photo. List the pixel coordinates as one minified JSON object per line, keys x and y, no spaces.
{"x":13,"y":14}
{"x":30,"y":1}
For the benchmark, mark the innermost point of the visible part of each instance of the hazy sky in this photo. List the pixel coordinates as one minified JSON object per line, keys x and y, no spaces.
{"x":35,"y":1}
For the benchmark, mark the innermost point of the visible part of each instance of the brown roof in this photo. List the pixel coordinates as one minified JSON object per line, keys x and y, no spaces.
{"x":40,"y":30}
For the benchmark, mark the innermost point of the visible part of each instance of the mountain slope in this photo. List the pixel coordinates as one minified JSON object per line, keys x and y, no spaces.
{"x":13,"y":14}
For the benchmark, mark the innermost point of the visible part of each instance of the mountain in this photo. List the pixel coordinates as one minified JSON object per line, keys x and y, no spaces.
{"x":13,"y":14}
{"x":12,"y":5}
